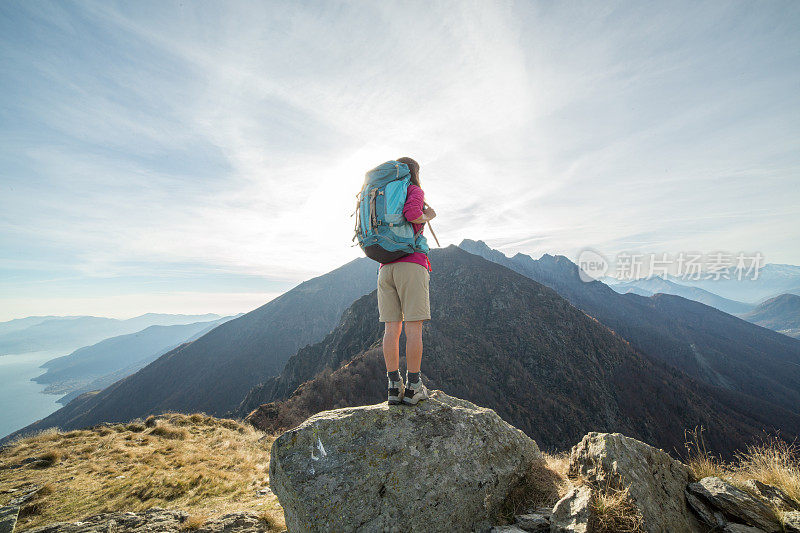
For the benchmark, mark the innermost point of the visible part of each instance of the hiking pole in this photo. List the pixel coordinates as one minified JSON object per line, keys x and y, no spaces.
{"x":434,"y":235}
{"x":431,"y":228}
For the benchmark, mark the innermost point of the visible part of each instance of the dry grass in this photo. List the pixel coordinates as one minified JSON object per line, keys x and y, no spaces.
{"x":772,"y":461}
{"x":195,"y":521}
{"x":545,"y":484}
{"x":200,"y":464}
{"x":614,"y":511}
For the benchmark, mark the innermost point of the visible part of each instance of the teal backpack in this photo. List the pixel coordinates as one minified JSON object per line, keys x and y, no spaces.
{"x":381,"y":229}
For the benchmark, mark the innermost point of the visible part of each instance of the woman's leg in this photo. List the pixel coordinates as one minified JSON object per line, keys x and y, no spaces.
{"x":391,"y":345}
{"x":413,"y":345}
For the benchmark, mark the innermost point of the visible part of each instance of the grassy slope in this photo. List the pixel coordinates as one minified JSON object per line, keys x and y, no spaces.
{"x":199,"y":464}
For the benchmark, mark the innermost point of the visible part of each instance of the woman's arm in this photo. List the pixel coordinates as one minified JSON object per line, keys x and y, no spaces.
{"x":415,"y":209}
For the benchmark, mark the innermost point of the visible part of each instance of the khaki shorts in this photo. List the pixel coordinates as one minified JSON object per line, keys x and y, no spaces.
{"x":403,"y":292}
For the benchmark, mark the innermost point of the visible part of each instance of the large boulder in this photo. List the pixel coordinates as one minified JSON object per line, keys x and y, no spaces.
{"x":736,"y":504}
{"x":443,"y":465}
{"x":655,"y":481}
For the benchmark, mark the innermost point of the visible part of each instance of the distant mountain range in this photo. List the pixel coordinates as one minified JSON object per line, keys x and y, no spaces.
{"x":781,"y":314}
{"x":773,"y":280}
{"x":97,"y":366}
{"x":502,"y":340}
{"x":703,"y":342}
{"x":214,"y":373}
{"x":34,"y":334}
{"x":22,"y":323}
{"x":656,"y":285}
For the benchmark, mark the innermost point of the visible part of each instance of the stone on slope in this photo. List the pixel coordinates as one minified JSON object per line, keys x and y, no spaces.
{"x":573,"y":512}
{"x":8,"y":518}
{"x":655,"y":481}
{"x":730,"y":527}
{"x":157,"y":520}
{"x":533,"y":522}
{"x":737,"y":504}
{"x":776,"y":496}
{"x":709,"y":516}
{"x":442,"y":465}
{"x":791,"y":522}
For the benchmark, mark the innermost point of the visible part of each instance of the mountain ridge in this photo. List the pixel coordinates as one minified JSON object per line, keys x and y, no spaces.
{"x":715,"y":347}
{"x":505,"y":341}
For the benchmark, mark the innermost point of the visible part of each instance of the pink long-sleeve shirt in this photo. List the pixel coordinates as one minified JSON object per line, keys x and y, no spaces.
{"x":412,"y":210}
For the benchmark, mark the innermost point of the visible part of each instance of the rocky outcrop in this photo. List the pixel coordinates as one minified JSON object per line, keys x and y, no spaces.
{"x":573,"y":512}
{"x":655,"y":481}
{"x":734,"y":505}
{"x":443,"y":465}
{"x":160,"y":520}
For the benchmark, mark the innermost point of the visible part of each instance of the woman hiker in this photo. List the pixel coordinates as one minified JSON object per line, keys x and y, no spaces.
{"x":403,"y":297}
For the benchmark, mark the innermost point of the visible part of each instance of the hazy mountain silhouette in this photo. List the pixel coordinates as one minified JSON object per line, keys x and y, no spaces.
{"x":504,"y":341}
{"x":28,"y":321}
{"x":71,"y":333}
{"x":101,"y":364}
{"x":659,"y":285}
{"x":705,"y":343}
{"x":781,"y":314}
{"x":773,"y":280}
{"x":213,"y":373}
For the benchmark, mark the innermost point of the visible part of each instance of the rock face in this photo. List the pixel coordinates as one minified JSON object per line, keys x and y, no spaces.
{"x":156,"y":519}
{"x":443,"y":465}
{"x":573,"y":512}
{"x":655,"y":481}
{"x":737,"y":505}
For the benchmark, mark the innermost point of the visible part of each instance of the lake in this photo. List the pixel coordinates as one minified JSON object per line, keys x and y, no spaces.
{"x":21,"y":400}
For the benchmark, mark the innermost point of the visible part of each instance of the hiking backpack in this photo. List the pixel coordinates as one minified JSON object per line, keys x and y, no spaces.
{"x":381,"y":229}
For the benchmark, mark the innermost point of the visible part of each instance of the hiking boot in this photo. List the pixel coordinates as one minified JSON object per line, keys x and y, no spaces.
{"x":396,"y":390}
{"x":414,"y":393}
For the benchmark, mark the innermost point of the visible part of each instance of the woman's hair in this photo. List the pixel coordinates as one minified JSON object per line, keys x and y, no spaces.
{"x":413,"y":166}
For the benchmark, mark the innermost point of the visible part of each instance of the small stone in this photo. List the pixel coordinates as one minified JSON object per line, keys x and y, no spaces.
{"x":776,"y":496}
{"x":573,"y":512}
{"x":507,"y":529}
{"x":791,"y":522}
{"x":741,"y":528}
{"x":709,"y":516}
{"x":8,"y":518}
{"x":533,"y":522}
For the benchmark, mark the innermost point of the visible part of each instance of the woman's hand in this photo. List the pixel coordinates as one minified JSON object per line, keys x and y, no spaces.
{"x":427,"y":214}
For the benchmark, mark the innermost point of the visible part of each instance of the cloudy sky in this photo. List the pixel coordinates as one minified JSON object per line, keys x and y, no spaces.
{"x":204,"y":156}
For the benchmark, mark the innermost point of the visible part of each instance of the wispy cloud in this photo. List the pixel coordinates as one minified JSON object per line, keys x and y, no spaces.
{"x":230,"y":138}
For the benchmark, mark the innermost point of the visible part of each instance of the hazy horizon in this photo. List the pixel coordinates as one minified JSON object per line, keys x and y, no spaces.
{"x":203,"y":158}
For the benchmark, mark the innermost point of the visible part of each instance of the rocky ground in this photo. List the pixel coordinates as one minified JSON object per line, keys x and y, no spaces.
{"x":444,"y":465}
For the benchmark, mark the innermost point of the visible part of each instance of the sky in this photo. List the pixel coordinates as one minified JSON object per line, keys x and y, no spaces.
{"x":205,"y":156}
